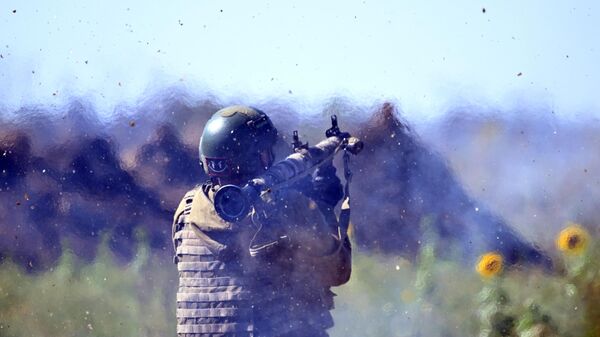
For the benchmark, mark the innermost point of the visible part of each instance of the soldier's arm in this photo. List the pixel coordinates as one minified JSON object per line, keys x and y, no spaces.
{"x":321,"y":250}
{"x":333,"y":269}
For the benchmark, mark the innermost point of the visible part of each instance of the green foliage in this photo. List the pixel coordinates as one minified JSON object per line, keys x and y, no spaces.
{"x":583,"y":275}
{"x":97,"y":299}
{"x":452,"y":300}
{"x":494,"y":311}
{"x":536,"y":323}
{"x":386,"y":296}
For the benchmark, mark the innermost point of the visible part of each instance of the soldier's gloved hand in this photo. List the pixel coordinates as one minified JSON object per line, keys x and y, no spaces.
{"x":326,"y":186}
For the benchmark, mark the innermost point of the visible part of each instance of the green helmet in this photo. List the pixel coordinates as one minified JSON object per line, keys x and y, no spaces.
{"x":234,"y":142}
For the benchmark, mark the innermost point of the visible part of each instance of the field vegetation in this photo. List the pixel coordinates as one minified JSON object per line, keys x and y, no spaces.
{"x":387,"y":296}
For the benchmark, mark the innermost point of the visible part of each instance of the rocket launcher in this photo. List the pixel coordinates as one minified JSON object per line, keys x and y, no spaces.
{"x":233,"y":203}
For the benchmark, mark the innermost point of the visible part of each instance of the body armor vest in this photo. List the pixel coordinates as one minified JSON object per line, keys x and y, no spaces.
{"x":225,"y":292}
{"x":213,"y":297}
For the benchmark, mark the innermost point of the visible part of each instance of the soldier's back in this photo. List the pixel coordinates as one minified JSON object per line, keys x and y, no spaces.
{"x":223,"y":291}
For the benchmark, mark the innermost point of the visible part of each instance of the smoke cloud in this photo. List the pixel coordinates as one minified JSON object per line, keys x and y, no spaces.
{"x":66,"y":179}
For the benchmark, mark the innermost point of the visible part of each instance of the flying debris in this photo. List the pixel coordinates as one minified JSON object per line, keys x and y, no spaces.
{"x":95,"y":178}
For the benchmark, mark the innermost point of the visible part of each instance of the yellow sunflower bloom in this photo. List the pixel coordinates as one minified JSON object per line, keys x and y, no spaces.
{"x":490,"y":264}
{"x":573,"y":239}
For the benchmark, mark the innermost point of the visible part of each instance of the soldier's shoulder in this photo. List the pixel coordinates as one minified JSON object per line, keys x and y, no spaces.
{"x":293,"y":197}
{"x":197,"y":208}
{"x":189,"y":197}
{"x":297,"y":205}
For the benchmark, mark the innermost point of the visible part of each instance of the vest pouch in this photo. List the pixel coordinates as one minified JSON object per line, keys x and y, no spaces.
{"x":216,"y":248}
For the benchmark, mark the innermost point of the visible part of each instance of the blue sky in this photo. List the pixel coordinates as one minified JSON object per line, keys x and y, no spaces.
{"x":428,"y":56}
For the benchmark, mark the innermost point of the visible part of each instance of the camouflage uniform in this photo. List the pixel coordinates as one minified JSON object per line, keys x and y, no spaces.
{"x":224,"y":291}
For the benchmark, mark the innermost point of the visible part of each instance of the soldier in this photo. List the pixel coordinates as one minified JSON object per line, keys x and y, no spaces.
{"x":269,"y":274}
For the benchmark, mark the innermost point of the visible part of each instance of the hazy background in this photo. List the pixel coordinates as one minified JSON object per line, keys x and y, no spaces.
{"x":481,"y":121}
{"x":427,"y":55}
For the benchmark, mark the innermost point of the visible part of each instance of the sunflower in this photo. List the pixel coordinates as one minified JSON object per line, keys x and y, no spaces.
{"x":573,"y":239}
{"x":489,"y":264}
